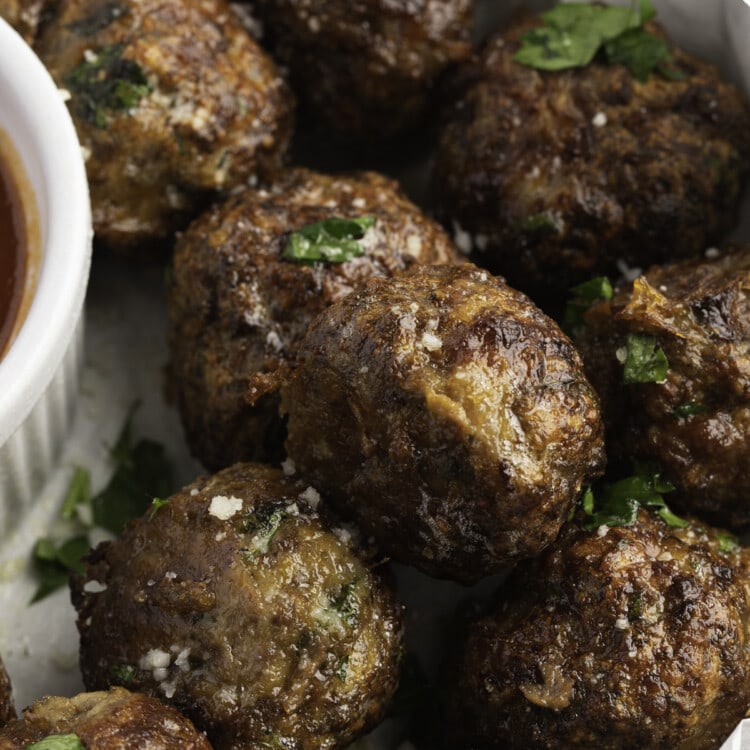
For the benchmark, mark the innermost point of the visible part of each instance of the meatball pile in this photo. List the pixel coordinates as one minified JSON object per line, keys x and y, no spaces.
{"x":111,"y":720}
{"x":694,"y":416}
{"x":366,"y":69}
{"x":622,"y":637}
{"x":556,"y":176}
{"x":238,"y":604}
{"x":238,"y":307}
{"x":172,"y":101}
{"x":464,"y":425}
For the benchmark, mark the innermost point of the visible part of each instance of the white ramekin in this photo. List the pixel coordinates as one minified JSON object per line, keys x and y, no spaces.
{"x":39,"y":372}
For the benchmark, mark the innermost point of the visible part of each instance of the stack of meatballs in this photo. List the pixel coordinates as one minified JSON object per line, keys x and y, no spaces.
{"x":369,"y":380}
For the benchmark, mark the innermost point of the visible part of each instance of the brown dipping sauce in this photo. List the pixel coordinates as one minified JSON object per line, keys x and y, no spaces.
{"x":13,"y":253}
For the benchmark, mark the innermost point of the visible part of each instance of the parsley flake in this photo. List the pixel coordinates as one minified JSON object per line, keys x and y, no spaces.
{"x":643,"y":361}
{"x":582,"y":297}
{"x":689,"y":409}
{"x":334,"y":240}
{"x":58,"y":742}
{"x":618,"y":503}
{"x":106,"y":81}
{"x":728,"y":543}
{"x":574,"y":33}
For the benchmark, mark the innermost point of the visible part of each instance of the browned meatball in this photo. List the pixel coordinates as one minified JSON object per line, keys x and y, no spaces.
{"x":555,"y":176}
{"x":23,"y":15}
{"x":624,"y":637}
{"x":448,"y":416}
{"x":366,"y":68}
{"x":696,"y":422}
{"x":237,"y":308}
{"x":172,"y":101}
{"x":7,"y":709}
{"x":240,"y":606}
{"x":112,"y":720}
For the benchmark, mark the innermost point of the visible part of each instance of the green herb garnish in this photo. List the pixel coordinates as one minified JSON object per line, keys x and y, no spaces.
{"x":98,"y":19}
{"x":329,"y":241}
{"x":689,"y":409}
{"x":262,"y":524}
{"x":541,"y":223}
{"x":138,"y":468}
{"x":728,"y":543}
{"x":123,"y":673}
{"x":106,"y":81}
{"x":58,"y":742}
{"x":156,"y":505}
{"x":347,"y":604}
{"x":643,"y":361}
{"x":618,"y":503}
{"x":582,"y":297}
{"x":574,"y":33}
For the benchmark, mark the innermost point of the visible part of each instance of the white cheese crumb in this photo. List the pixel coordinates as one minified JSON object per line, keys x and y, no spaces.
{"x":168,"y":688}
{"x":94,"y":587}
{"x":154,"y":659}
{"x":292,"y":510}
{"x":311,"y":496}
{"x":90,"y":56}
{"x":621,"y":623}
{"x":274,"y":341}
{"x":364,"y":369}
{"x":85,"y":153}
{"x":344,"y":536}
{"x":629,"y":273}
{"x":195,"y":491}
{"x":414,"y":244}
{"x":431,"y":342}
{"x":599,"y":120}
{"x":224,"y":508}
{"x":160,"y":674}
{"x":622,"y":354}
{"x":182,"y":660}
{"x":664,"y":556}
{"x":171,"y":575}
{"x":712,"y":252}
{"x":358,"y":203}
{"x":462,"y":239}
{"x":288,"y":467}
{"x":221,"y":536}
{"x":602,"y":531}
{"x":320,"y":676}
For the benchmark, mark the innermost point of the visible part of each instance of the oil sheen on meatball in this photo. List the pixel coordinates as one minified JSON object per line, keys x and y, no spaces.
{"x":696,"y":423}
{"x":557,"y":176}
{"x":447,"y":415}
{"x":623,"y":637}
{"x":366,"y":68}
{"x":240,"y":606}
{"x":237,"y":308}
{"x":172,"y":101}
{"x":109,"y":720}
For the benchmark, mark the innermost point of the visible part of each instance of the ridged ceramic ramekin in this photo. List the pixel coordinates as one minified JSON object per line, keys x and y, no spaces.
{"x":39,"y":370}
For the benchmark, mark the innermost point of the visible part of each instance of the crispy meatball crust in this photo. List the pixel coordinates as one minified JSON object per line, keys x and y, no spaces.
{"x":448,"y":416}
{"x":696,"y":424}
{"x":242,"y":608}
{"x":7,"y":709}
{"x":620,"y":638}
{"x":113,"y":720}
{"x":557,"y":176}
{"x":202,"y":108}
{"x":366,"y":68}
{"x":237,"y":309}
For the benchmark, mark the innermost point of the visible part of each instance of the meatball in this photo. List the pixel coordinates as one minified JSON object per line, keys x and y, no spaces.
{"x":111,"y":720}
{"x":554,"y":177}
{"x":172,"y":101}
{"x":239,"y":605}
{"x":23,"y":15}
{"x":695,"y":419}
{"x":366,"y":69}
{"x":7,"y":709}
{"x":238,"y":308}
{"x":622,"y":637}
{"x":448,"y":416}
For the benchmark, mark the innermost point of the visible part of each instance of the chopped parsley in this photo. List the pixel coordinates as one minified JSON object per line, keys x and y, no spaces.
{"x":618,"y":504}
{"x":573,"y":34}
{"x":123,"y":673}
{"x":728,"y":543}
{"x":58,"y":742}
{"x":156,"y":505}
{"x":347,"y":604}
{"x":334,"y":240}
{"x":262,"y":524}
{"x":582,"y":297}
{"x":106,"y":81}
{"x":643,"y":361}
{"x":541,"y":223}
{"x":689,"y":409}
{"x":138,"y":469}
